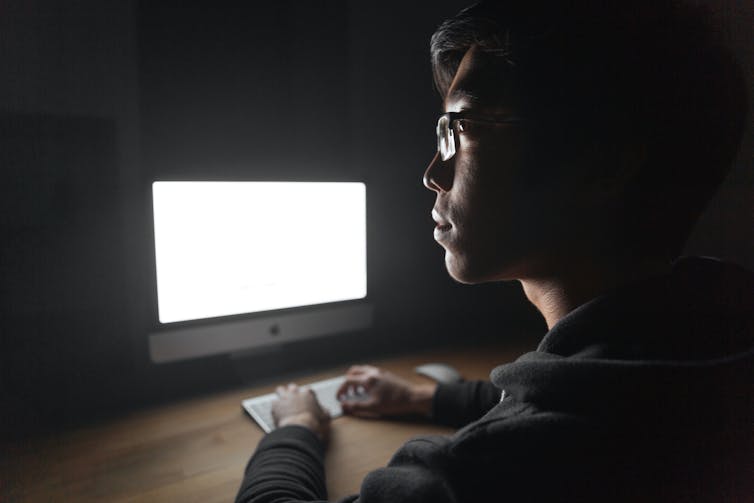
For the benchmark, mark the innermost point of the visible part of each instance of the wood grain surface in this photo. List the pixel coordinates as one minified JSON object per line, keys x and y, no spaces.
{"x":196,"y":450}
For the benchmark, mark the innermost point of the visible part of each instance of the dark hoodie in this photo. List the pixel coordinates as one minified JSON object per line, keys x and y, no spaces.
{"x":644,"y":394}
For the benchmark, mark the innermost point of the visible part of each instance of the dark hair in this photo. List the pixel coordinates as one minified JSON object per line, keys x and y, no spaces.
{"x":592,"y":74}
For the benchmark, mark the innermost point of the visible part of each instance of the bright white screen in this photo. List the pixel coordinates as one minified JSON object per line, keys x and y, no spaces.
{"x":227,"y":248}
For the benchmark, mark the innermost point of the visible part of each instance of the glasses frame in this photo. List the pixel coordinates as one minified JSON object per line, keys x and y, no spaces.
{"x":446,"y":124}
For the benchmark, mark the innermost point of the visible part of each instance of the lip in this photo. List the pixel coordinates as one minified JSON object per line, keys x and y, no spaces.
{"x":439,"y":219}
{"x":441,"y":232}
{"x":442,"y":227}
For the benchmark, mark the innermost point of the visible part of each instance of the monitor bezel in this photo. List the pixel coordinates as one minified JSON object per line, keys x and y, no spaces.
{"x":156,"y":327}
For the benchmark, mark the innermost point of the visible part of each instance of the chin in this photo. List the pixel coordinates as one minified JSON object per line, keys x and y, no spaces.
{"x":461,"y":270}
{"x":474,"y":270}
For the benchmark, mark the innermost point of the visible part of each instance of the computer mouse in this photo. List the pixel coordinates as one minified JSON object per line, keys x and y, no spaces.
{"x":440,"y":372}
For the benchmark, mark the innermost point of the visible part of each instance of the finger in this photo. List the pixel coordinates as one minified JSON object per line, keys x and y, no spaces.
{"x":354,"y":397}
{"x":352,"y":388}
{"x":341,"y":389}
{"x":353,"y":373}
{"x":350,"y":384}
{"x":361,"y":369}
{"x":315,"y":403}
{"x":360,"y":403}
{"x":324,"y":415}
{"x":280,"y":390}
{"x":364,"y":408}
{"x":365,"y":380}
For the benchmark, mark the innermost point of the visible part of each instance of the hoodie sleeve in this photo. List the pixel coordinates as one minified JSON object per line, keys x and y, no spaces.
{"x":287,"y":466}
{"x":459,"y":404}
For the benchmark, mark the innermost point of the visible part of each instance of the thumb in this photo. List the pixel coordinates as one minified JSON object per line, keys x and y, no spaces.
{"x":360,"y":408}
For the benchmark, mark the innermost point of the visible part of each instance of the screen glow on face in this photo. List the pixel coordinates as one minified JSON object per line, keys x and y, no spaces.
{"x":225,"y":248}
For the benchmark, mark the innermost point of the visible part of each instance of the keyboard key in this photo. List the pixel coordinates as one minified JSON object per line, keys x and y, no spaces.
{"x":260,"y":407}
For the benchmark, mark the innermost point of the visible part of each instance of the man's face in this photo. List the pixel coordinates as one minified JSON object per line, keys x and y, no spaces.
{"x":490,"y":225}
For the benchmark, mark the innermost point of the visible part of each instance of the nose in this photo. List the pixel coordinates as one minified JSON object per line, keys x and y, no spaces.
{"x":439,"y":175}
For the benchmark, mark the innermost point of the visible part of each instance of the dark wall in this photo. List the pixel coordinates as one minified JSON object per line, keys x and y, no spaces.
{"x":62,"y":255}
{"x":69,"y":156}
{"x":244,"y":90}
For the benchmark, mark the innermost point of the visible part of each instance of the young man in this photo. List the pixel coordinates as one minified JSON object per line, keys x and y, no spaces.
{"x":579,"y":144}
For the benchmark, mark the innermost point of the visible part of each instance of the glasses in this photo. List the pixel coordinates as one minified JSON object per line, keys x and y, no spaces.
{"x":446,"y":140}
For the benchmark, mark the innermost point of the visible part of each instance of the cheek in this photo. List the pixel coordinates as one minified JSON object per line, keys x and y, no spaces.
{"x":483,"y":192}
{"x":490,"y":166}
{"x":497,"y":221}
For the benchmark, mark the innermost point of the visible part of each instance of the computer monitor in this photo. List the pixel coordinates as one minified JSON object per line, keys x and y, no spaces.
{"x":244,"y":264}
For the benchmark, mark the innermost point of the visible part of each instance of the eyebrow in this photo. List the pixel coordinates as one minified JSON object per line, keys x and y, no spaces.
{"x":464,"y":95}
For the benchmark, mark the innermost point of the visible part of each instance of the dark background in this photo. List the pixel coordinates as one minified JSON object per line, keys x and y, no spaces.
{"x":98,"y":99}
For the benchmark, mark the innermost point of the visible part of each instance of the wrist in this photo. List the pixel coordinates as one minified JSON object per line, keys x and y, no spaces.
{"x":421,"y":396}
{"x":305,"y":419}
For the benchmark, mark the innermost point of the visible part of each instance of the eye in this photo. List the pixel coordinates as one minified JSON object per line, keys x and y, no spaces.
{"x":461,"y":125}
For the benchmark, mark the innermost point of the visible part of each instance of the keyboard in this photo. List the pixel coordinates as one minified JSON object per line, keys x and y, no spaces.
{"x":260,"y":407}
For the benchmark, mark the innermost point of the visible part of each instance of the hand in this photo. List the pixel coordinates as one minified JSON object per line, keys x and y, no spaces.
{"x":299,"y":406}
{"x":383,"y":394}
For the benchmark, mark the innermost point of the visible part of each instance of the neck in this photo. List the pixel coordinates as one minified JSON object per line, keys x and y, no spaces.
{"x":557,"y":293}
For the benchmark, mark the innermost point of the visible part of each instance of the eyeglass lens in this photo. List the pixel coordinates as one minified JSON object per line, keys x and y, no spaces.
{"x":446,"y":142}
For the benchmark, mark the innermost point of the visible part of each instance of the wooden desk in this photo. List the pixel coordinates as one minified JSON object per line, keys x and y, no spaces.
{"x":196,"y":450}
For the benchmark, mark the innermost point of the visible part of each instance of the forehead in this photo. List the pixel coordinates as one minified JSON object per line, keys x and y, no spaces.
{"x":481,"y":82}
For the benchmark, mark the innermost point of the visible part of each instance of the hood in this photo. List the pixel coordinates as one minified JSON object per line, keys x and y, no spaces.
{"x":679,"y":348}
